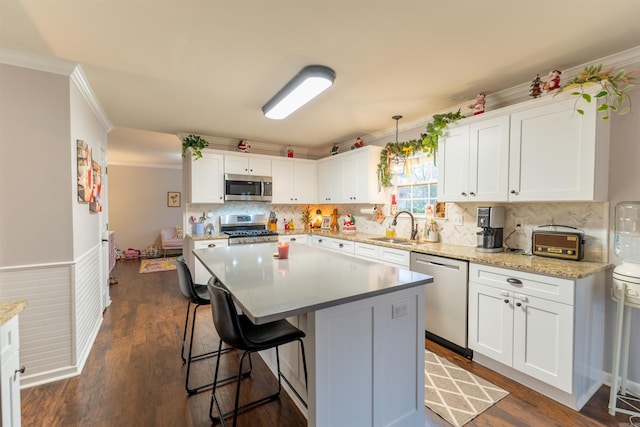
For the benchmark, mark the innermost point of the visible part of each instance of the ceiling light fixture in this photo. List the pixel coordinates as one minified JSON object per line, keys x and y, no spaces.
{"x":310,"y":82}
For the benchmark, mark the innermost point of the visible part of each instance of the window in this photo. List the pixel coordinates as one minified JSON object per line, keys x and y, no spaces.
{"x":419,"y":188}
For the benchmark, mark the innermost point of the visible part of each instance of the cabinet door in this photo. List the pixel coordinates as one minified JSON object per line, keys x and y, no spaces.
{"x":236,"y":164}
{"x":304,"y":182}
{"x":329,"y":175}
{"x":207,"y":184}
{"x":553,"y":153}
{"x":259,"y":166}
{"x":354,"y":178}
{"x":282,"y":175}
{"x":201,"y":274}
{"x":491,"y":322}
{"x":489,"y":160}
{"x":543,"y":340}
{"x":453,"y":173}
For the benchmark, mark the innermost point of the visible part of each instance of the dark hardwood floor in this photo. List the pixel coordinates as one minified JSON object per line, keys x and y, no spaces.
{"x":134,"y":375}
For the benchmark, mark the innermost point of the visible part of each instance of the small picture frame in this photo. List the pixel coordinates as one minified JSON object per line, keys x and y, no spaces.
{"x":326,"y":222}
{"x":173,"y":199}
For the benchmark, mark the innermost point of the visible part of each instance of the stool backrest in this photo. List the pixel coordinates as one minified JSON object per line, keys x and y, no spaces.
{"x":184,"y":278}
{"x":225,"y":316}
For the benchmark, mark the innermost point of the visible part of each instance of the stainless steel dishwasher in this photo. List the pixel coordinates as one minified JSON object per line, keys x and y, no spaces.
{"x":446,"y":300}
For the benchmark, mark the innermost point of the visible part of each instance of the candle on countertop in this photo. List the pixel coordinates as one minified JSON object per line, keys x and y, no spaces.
{"x":283,"y":250}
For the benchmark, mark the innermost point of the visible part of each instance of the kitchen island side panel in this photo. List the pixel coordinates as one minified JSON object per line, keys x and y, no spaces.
{"x":366,"y":361}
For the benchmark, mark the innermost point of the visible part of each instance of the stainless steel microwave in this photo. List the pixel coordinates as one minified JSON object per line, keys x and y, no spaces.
{"x":247,"y":187}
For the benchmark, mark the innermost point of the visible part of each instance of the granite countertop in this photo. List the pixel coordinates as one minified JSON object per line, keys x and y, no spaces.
{"x":268,"y":288}
{"x":529,"y":263}
{"x":208,"y":237}
{"x":10,"y":309}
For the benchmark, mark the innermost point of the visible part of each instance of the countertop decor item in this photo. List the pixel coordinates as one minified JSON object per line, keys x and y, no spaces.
{"x":196,"y":143}
{"x":399,"y":151}
{"x":614,"y":88}
{"x":306,"y":217}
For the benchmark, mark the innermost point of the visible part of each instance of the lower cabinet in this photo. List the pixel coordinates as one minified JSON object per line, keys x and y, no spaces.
{"x":200,"y":274}
{"x":545,"y":330}
{"x":10,"y":374}
{"x":390,"y":256}
{"x":346,"y":247}
{"x":303,"y":239}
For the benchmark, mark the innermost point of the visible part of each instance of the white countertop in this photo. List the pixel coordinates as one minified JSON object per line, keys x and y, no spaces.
{"x":268,"y":288}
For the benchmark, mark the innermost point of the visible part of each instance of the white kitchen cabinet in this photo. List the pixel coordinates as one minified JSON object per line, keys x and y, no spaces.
{"x":475,"y":162}
{"x":10,"y":373}
{"x":294,"y":181}
{"x":247,"y":165}
{"x":558,"y":154}
{"x":202,"y":179}
{"x":346,"y":247}
{"x":390,"y":256}
{"x":545,"y":332}
{"x":200,"y":274}
{"x":350,"y":177}
{"x":539,"y":150}
{"x":302,"y":239}
{"x":329,"y":181}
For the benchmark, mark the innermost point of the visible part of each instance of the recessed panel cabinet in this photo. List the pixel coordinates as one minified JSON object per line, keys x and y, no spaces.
{"x":202,"y":179}
{"x":545,"y":332}
{"x":539,"y":150}
{"x":247,"y":165}
{"x":294,"y":181}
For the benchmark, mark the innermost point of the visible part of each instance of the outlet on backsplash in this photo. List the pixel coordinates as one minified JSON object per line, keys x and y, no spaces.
{"x":519,"y":223}
{"x":457,"y":220}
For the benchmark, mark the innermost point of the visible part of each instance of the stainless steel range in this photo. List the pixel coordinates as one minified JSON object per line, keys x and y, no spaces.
{"x":245,"y":229}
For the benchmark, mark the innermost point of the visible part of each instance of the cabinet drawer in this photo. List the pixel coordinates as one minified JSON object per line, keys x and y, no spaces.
{"x":343,"y":246}
{"x":367,"y":251}
{"x":202,"y":244}
{"x":297,"y":238}
{"x":395,"y":256}
{"x":9,"y":340}
{"x":550,"y":288}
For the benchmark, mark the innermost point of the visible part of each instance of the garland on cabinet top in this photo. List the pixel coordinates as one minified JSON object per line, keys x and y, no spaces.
{"x":401,"y":151}
{"x":614,"y":88}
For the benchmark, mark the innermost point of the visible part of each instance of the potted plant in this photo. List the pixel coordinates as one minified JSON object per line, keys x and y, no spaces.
{"x":427,"y":144}
{"x":613,"y":88}
{"x":196,"y":143}
{"x":306,"y":217}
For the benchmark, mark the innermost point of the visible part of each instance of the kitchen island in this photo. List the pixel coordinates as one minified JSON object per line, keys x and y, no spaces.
{"x":363,"y":320}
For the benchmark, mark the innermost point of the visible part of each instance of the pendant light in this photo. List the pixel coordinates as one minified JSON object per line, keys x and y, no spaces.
{"x":396,"y":161}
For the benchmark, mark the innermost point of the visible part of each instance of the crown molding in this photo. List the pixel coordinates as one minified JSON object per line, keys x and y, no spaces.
{"x":146,"y":165}
{"x":80,"y":80}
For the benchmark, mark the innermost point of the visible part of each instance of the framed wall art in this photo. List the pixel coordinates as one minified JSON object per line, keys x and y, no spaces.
{"x":84,"y":172}
{"x":326,"y":222}
{"x":173,"y":199}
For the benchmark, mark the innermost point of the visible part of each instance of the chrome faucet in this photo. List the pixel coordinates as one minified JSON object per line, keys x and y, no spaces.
{"x":414,"y":227}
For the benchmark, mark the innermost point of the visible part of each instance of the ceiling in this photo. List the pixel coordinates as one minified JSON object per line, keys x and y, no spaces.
{"x":161,"y":67}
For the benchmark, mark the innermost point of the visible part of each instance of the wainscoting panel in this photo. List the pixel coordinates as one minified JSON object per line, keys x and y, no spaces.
{"x":62,"y":318}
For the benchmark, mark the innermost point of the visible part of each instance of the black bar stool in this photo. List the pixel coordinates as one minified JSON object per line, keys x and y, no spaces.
{"x":239,"y":332}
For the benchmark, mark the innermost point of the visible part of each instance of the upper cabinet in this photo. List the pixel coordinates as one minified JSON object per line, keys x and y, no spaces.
{"x":474,"y":162}
{"x":202,"y":179}
{"x":294,"y":181}
{"x":350,"y":177}
{"x":247,"y":165}
{"x":558,"y":154}
{"x":540,"y":150}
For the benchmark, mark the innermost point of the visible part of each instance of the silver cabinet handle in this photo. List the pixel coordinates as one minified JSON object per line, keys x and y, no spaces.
{"x":293,"y":239}
{"x":472,"y":193}
{"x":20,"y":371}
{"x":341,"y":245}
{"x":463,"y":194}
{"x":515,"y":282}
{"x":514,"y":192}
{"x":211,"y":245}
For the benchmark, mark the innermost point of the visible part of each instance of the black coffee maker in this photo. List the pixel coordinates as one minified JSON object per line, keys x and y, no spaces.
{"x":491,"y":220}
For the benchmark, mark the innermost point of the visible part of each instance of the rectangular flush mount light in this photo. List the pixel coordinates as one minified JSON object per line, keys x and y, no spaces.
{"x":310,"y":82}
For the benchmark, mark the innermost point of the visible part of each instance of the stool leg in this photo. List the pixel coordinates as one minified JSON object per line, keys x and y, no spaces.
{"x":184,"y":334}
{"x":625,"y":351}
{"x":616,"y":351}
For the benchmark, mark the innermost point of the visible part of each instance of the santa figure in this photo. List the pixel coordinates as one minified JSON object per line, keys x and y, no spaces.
{"x":244,"y":146}
{"x":553,"y":81}
{"x":478,"y":106}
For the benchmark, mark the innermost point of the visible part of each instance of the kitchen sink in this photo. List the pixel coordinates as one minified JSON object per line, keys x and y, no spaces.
{"x":395,"y":241}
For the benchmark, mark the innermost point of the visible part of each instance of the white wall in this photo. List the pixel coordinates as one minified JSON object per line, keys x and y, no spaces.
{"x":138,"y":204}
{"x":35,"y":213}
{"x":624,"y":185}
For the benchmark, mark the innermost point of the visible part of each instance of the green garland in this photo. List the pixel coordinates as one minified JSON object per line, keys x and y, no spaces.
{"x":196,"y":143}
{"x":427,"y":144}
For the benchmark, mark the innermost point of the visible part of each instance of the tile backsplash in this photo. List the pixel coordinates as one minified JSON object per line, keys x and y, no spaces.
{"x":590,"y":217}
